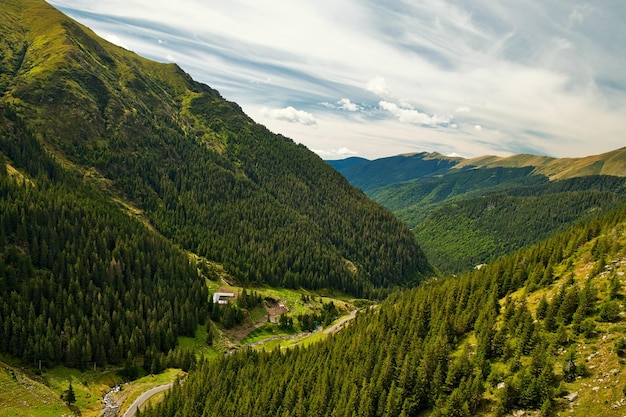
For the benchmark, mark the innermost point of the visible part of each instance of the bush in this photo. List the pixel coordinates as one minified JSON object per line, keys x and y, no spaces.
{"x":609,"y":311}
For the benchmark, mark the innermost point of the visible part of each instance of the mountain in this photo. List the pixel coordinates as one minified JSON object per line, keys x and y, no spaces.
{"x":610,"y":163}
{"x":539,"y":332}
{"x":202,"y":173}
{"x":125,"y":184}
{"x":341,"y":164}
{"x":369,"y":175}
{"x":479,"y":209}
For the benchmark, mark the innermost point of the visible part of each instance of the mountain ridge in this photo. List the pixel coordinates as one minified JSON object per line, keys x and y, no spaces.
{"x":194,"y":164}
{"x":369,"y":174}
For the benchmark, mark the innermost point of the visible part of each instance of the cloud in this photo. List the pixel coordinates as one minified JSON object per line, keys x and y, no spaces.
{"x":116,"y":40}
{"x":335,"y":153}
{"x":454,"y":155}
{"x":291,"y":115}
{"x":407,"y":114}
{"x":555,"y":66}
{"x":346,"y":104}
{"x":478,"y":128}
{"x":378,"y":86}
{"x":578,"y":14}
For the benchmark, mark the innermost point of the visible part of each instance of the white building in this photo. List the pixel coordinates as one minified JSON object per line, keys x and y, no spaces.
{"x":222,"y":297}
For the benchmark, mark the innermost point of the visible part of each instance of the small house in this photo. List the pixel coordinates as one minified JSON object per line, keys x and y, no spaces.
{"x":222,"y":297}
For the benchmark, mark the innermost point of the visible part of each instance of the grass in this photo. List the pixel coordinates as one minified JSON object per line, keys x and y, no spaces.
{"x":266,"y":331}
{"x":132,"y":390}
{"x":198,"y":345}
{"x":89,"y":386}
{"x":41,"y":396}
{"x":23,"y":396}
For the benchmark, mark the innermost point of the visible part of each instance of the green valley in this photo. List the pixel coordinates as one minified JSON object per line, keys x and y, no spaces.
{"x":498,"y":204}
{"x":153,"y":237}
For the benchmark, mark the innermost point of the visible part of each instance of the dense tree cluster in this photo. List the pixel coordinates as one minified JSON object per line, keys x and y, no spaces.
{"x":81,"y":281}
{"x":499,"y":210}
{"x":413,"y":353}
{"x":502,"y":223}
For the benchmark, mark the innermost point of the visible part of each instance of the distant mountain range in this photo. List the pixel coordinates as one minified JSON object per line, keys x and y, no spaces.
{"x":499,"y":204}
{"x":369,"y":174}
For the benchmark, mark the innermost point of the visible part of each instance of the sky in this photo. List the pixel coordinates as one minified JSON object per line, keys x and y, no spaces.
{"x":376,"y":78}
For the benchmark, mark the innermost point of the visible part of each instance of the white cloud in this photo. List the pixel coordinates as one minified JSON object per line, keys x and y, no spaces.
{"x":578,"y":14}
{"x":378,"y":86}
{"x":478,"y":128}
{"x":116,"y":40}
{"x":335,"y":153}
{"x":346,"y":104}
{"x":290,"y":114}
{"x":454,"y":155}
{"x":407,"y":114}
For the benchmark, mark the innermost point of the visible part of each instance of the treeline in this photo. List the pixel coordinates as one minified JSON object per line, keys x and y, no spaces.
{"x":458,"y":236}
{"x":413,"y":353}
{"x":82,"y":281}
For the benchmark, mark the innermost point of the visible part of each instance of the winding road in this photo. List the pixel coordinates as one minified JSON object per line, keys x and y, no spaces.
{"x":140,"y":401}
{"x":132,"y":410}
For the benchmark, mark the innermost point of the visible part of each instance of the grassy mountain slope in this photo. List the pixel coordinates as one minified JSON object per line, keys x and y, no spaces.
{"x":202,"y":173}
{"x":610,"y":163}
{"x":520,"y":334}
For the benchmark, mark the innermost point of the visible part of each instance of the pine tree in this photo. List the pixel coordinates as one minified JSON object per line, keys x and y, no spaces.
{"x":70,"y":397}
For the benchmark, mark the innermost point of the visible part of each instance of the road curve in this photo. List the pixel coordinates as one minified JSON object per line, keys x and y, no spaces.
{"x":145,"y":397}
{"x":336,"y":326}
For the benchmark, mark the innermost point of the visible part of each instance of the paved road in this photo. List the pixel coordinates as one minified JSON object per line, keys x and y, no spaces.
{"x":145,"y":397}
{"x":335,"y":327}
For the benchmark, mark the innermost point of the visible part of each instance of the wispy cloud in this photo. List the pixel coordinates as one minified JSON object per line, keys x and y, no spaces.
{"x":335,"y":153}
{"x":408,"y":114}
{"x":290,"y":114}
{"x":396,"y":77}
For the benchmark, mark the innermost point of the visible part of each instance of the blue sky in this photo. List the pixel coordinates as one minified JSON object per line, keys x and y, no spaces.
{"x":375,"y":78}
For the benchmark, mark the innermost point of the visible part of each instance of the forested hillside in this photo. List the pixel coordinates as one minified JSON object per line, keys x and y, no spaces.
{"x":459,"y":235}
{"x":117,"y":174}
{"x":81,"y":281}
{"x":469,"y":212}
{"x":511,"y":336}
{"x":203,"y":173}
